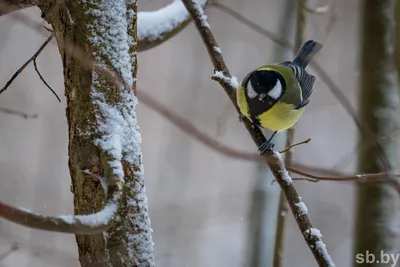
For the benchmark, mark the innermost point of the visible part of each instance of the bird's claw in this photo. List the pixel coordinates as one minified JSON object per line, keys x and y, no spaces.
{"x":267,"y":145}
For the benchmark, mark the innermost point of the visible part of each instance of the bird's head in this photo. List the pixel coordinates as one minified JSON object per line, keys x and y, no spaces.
{"x":262,"y":83}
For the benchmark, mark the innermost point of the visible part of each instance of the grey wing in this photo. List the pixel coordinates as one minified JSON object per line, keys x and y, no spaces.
{"x":306,"y":82}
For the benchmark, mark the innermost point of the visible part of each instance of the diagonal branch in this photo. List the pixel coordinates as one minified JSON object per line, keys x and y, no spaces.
{"x":274,"y":160}
{"x":44,"y":81}
{"x":21,"y":69}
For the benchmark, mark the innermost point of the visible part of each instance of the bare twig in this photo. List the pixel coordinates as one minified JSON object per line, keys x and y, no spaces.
{"x":273,"y":159}
{"x":37,"y":53}
{"x":272,"y":36}
{"x":359,"y":178}
{"x":290,"y":146}
{"x":18,"y":113}
{"x":43,"y":80}
{"x":48,"y":29}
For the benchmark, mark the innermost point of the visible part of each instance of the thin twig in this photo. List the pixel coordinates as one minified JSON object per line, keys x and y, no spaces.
{"x":15,"y":75}
{"x":289,"y":147}
{"x":272,"y":36}
{"x":48,"y":29}
{"x":18,"y":113}
{"x":311,"y":235}
{"x":43,"y":80}
{"x":359,"y":178}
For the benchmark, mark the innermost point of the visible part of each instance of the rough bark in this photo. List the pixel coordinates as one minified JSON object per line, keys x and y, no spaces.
{"x":129,"y":238}
{"x":378,"y":205}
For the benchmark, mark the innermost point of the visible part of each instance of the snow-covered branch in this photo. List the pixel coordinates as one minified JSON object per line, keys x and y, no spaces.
{"x":273,"y":159}
{"x":156,"y":27}
{"x":79,"y":224}
{"x":153,"y":27}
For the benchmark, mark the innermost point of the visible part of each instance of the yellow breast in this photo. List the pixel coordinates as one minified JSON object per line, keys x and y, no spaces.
{"x":280,"y":117}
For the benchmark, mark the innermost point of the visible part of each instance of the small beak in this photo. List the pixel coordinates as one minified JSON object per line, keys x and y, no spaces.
{"x":262,"y":96}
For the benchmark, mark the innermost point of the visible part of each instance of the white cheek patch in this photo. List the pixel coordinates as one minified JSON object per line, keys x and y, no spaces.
{"x":251,"y":93}
{"x":276,"y":92}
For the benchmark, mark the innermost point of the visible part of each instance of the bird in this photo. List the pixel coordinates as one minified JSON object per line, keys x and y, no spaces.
{"x":274,"y":96}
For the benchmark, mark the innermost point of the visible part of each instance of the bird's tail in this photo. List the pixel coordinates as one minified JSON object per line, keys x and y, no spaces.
{"x":306,"y":52}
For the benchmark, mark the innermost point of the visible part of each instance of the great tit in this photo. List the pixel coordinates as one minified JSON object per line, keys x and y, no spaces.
{"x":274,"y":96}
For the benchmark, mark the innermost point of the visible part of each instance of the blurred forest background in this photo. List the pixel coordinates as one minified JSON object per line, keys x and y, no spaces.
{"x":206,"y":209}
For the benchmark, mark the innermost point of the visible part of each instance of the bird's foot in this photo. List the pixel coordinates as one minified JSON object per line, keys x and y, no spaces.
{"x":267,"y":145}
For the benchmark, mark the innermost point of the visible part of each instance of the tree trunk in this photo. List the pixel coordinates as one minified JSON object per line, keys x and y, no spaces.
{"x":97,"y":109}
{"x":377,"y":208}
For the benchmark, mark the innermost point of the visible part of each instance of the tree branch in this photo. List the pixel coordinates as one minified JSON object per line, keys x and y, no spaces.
{"x":18,"y":113}
{"x":274,"y":160}
{"x":78,"y":224}
{"x":21,"y":69}
{"x":156,"y":27}
{"x":44,"y":81}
